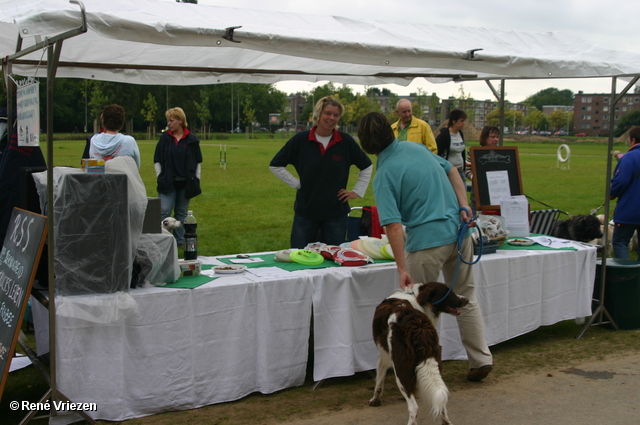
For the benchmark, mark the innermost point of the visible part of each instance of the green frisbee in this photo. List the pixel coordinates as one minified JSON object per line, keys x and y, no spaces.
{"x":306,"y":257}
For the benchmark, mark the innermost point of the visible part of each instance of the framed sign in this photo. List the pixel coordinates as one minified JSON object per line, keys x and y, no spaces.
{"x":496,"y":173}
{"x":274,"y":119}
{"x":19,"y":258}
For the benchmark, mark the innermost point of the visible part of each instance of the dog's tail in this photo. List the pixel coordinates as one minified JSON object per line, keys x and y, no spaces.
{"x":432,"y":388}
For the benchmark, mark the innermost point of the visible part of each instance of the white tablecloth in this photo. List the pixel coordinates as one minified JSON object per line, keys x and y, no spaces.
{"x":183,"y":348}
{"x":518,"y":291}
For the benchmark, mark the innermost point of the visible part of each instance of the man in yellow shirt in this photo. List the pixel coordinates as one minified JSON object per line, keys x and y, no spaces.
{"x":411,"y":128}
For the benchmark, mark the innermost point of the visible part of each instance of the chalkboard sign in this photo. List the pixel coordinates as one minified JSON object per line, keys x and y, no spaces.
{"x":496,"y":173}
{"x":21,"y":251}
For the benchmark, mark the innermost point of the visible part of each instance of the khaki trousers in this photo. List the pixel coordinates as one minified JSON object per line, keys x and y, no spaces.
{"x":425,"y":266}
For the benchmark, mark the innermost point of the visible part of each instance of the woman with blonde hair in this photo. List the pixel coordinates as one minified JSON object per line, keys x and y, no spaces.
{"x":322,"y":158}
{"x":177,"y":161}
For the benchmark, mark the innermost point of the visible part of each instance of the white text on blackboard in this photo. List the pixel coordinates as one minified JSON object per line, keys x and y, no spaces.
{"x":13,"y":264}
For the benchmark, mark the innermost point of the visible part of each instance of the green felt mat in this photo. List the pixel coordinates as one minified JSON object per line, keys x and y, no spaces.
{"x":269,"y":261}
{"x":191,"y":282}
{"x":534,"y":247}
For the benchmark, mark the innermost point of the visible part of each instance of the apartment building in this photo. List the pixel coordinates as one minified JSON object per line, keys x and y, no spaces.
{"x":592,"y":111}
{"x":477,"y":110}
{"x":550,"y":109}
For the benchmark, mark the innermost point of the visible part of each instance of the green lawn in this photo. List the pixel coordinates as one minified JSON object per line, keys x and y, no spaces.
{"x":245,"y":208}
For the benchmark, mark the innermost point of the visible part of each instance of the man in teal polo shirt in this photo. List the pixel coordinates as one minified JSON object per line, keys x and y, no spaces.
{"x":425,"y":193}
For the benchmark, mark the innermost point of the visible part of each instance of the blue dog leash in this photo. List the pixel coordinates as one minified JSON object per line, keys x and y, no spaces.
{"x":462,"y":230}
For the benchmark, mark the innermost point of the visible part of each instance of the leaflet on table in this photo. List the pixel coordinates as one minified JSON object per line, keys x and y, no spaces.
{"x":270,"y":272}
{"x":552,"y":242}
{"x":246,"y":260}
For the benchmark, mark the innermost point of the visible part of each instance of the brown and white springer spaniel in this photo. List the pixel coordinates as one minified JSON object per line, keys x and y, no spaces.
{"x":405,"y":334}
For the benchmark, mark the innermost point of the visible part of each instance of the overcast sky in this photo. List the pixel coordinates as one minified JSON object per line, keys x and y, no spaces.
{"x":612,"y":24}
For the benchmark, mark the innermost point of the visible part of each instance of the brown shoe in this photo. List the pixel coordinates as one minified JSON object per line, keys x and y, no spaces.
{"x":479,"y":374}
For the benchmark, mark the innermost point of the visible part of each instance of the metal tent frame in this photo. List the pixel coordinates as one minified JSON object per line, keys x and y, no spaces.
{"x":53,"y":47}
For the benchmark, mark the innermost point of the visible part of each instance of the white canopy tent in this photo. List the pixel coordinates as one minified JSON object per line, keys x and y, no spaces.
{"x":168,"y":43}
{"x":153,"y":42}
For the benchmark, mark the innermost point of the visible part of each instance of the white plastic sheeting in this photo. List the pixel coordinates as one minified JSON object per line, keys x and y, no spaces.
{"x":92,"y":230}
{"x":107,"y":309}
{"x":136,"y":195}
{"x":152,"y":42}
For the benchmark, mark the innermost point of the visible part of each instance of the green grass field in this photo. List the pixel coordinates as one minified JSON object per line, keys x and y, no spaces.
{"x":245,"y":208}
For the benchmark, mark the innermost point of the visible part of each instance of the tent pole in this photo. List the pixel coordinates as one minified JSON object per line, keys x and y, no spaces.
{"x":51,"y":72}
{"x":7,"y":70}
{"x":597,"y":316}
{"x":501,"y":132}
{"x":53,"y":45}
{"x":500,"y":98}
{"x":601,"y":309}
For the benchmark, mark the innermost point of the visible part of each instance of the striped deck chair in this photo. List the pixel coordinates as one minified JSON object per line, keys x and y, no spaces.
{"x":543,"y":221}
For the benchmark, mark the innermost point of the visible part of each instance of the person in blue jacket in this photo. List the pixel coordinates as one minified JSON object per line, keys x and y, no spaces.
{"x":322,"y":158}
{"x":625,"y":185}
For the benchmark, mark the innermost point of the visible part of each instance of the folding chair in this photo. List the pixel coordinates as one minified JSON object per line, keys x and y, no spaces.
{"x":543,"y":221}
{"x":367,"y":224}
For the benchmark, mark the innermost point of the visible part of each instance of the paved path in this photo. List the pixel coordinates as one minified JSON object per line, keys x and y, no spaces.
{"x":602,"y":392}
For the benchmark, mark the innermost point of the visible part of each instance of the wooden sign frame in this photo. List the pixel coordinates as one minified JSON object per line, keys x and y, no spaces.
{"x":488,"y":162}
{"x":19,"y":258}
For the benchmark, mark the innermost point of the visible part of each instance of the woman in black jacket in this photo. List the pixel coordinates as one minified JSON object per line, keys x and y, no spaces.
{"x":177,"y":162}
{"x":450,"y":141}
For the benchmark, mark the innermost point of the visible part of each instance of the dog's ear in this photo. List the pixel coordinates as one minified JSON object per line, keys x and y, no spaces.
{"x":431,"y":292}
{"x":425,"y":293}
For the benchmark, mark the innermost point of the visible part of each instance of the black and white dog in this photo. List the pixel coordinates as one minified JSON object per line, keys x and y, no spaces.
{"x":170,"y":224}
{"x":405,"y":334}
{"x":582,"y":228}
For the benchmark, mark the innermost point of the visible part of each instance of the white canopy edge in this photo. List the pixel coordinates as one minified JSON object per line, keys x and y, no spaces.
{"x":154,"y":42}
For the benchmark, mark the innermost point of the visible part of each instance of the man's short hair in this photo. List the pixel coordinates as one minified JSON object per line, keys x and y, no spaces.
{"x":375,"y":133}
{"x":634,"y":133}
{"x":327,"y":100}
{"x":403,"y":100}
{"x":455,"y":115}
{"x":112,"y":117}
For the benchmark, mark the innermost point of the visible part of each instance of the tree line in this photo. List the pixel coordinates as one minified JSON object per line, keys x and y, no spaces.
{"x":216,"y":108}
{"x":221,"y":107}
{"x":224,"y":107}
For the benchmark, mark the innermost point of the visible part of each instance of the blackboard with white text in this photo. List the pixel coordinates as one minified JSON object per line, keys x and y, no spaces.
{"x":496,"y":173}
{"x":19,"y":257}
